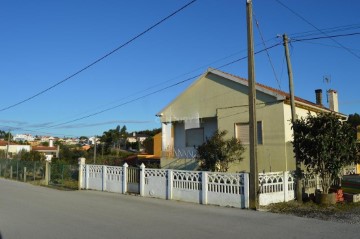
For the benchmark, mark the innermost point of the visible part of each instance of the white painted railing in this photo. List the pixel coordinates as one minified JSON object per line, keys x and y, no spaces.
{"x":276,"y":187}
{"x":223,"y":189}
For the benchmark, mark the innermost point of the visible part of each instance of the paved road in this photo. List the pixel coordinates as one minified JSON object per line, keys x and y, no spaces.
{"x":28,"y":211}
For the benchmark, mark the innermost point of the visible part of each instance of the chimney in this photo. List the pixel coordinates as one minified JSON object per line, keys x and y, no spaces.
{"x":333,"y":100}
{"x":318,"y":94}
{"x":51,"y":142}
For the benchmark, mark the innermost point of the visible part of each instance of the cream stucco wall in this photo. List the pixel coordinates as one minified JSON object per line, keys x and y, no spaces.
{"x":271,"y":154}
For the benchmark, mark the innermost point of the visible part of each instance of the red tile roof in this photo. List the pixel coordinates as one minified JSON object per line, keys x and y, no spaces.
{"x":4,"y":143}
{"x":40,"y":148}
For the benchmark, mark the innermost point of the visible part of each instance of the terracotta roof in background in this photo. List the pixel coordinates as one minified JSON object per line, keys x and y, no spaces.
{"x":44,"y":148}
{"x":4,"y":143}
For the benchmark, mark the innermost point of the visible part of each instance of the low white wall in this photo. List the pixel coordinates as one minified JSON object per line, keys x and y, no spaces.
{"x":190,"y":186}
{"x":276,"y":187}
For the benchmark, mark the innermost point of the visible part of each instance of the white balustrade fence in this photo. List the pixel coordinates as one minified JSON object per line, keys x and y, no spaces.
{"x":276,"y":187}
{"x":222,"y":189}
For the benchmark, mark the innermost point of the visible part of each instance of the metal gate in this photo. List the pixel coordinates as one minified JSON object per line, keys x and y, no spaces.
{"x":133,"y":180}
{"x":63,"y":175}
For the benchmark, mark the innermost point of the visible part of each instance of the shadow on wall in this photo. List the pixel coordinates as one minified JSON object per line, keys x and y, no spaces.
{"x":179,"y":164}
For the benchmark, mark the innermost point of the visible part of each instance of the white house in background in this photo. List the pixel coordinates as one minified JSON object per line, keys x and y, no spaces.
{"x":219,"y":101}
{"x":12,"y":148}
{"x":134,"y":137}
{"x":48,"y":151}
{"x":93,"y":139}
{"x":23,"y":137}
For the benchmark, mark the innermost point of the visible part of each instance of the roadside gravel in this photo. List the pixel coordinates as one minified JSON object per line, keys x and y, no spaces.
{"x":343,"y":213}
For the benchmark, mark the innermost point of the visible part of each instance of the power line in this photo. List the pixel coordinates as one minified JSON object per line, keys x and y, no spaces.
{"x":100,"y":59}
{"x":267,"y":52}
{"x":154,"y":92}
{"x":326,"y":37}
{"x":302,"y":18}
{"x":327,"y":30}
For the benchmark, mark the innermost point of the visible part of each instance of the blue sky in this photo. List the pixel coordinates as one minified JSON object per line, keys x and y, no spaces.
{"x":44,"y":42}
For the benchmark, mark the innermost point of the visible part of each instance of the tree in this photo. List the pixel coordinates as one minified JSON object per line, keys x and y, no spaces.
{"x":31,"y":156}
{"x":216,"y":153}
{"x":5,"y":135}
{"x":354,"y":120}
{"x":324,"y":145}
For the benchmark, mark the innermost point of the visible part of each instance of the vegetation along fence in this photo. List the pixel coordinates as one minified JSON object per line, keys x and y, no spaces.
{"x":22,"y":170}
{"x":64,"y":175}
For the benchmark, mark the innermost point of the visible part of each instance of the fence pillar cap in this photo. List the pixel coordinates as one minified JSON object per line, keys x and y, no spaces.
{"x":81,"y":161}
{"x":125,"y":165}
{"x":142,"y":166}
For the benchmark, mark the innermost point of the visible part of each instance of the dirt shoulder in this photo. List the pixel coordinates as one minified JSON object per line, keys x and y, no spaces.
{"x":341,"y":212}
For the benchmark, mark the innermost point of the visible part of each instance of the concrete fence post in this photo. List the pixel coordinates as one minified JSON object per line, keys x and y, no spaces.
{"x":87,"y":176}
{"x":317,"y":180}
{"x":125,"y":167}
{"x":169,"y":184}
{"x":246,"y":190}
{"x":47,"y":173}
{"x":204,"y":187}
{"x":286,"y":186}
{"x":24,"y":174}
{"x":81,"y":162}
{"x":104,"y":176}
{"x":17,"y":170}
{"x":34,"y":172}
{"x":142,"y":180}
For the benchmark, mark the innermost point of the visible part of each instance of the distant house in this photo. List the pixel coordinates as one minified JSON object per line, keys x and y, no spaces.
{"x":134,"y":137}
{"x":13,"y":148}
{"x":48,"y":151}
{"x":219,"y":101}
{"x":23,"y":137}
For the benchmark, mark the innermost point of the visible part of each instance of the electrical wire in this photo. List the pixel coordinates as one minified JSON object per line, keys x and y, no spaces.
{"x":326,"y":37}
{"x":99,"y":59}
{"x":154,"y":92}
{"x":324,"y":33}
{"x":267,"y":52}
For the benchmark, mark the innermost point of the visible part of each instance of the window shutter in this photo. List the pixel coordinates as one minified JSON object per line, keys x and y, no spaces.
{"x":242,"y":133}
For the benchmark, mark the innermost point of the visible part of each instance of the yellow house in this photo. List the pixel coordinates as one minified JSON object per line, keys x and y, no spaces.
{"x":219,"y":101}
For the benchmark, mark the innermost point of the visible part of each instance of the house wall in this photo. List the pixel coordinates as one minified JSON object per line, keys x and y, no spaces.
{"x":157,"y":145}
{"x":300,"y":113}
{"x":271,"y":155}
{"x":205,"y":96}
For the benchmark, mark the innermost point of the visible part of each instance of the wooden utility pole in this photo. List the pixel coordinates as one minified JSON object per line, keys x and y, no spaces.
{"x":8,"y":145}
{"x":253,"y":177}
{"x":94,"y":149}
{"x":293,"y":115}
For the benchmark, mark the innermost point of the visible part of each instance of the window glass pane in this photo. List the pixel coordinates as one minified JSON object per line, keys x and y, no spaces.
{"x":194,"y":137}
{"x":259,"y":132}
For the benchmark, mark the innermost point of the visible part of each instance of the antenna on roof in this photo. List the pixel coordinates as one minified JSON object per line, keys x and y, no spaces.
{"x":327,"y":81}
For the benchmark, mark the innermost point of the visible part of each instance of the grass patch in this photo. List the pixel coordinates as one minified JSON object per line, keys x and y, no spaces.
{"x":350,"y":190}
